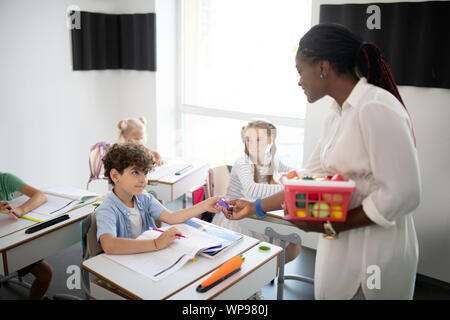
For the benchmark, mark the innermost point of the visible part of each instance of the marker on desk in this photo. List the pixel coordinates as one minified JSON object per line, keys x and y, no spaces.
{"x":47,"y":223}
{"x":178,"y":235}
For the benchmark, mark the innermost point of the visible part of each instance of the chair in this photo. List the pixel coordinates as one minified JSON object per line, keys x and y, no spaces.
{"x":216,"y":184}
{"x":14,"y":278}
{"x":218,"y":180}
{"x":90,"y":248}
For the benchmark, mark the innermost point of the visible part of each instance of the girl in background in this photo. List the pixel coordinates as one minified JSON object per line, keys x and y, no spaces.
{"x":254,"y":175}
{"x":133,"y":130}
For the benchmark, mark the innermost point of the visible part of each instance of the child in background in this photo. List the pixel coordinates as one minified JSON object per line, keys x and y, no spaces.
{"x":9,"y":184}
{"x":252,"y":175}
{"x":129,"y":210}
{"x":133,"y":130}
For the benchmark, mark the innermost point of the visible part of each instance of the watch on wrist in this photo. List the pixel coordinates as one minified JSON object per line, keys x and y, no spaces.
{"x":330,"y":233}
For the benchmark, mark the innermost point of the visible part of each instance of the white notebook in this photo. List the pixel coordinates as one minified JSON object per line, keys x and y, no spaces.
{"x":161,"y":263}
{"x":70,"y":193}
{"x":59,"y":201}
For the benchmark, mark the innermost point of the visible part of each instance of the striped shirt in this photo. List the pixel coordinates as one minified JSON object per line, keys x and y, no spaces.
{"x":242,"y":183}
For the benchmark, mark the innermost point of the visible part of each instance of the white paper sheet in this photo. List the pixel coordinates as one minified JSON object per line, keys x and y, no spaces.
{"x":159,"y":264}
{"x":70,"y":193}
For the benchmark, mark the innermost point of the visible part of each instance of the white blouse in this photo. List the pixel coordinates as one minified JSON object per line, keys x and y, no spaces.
{"x":370,"y":141}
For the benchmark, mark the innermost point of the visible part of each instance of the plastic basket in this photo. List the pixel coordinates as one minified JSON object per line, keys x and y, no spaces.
{"x":317,"y":200}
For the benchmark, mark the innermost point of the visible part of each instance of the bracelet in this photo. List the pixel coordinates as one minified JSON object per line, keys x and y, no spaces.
{"x":259,"y":210}
{"x":331,"y":228}
{"x":154,"y":241}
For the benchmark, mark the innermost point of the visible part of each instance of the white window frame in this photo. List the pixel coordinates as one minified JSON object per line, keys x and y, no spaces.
{"x":182,"y":108}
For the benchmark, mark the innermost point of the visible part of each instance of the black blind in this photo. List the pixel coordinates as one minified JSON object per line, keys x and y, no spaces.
{"x":114,"y":41}
{"x":414,"y":37}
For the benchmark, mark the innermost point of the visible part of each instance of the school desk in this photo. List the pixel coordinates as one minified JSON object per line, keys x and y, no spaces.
{"x":274,"y":226}
{"x":18,"y":249}
{"x":168,"y":186}
{"x":114,"y":281}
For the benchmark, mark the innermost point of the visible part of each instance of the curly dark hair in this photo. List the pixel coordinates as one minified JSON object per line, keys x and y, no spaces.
{"x":123,"y":155}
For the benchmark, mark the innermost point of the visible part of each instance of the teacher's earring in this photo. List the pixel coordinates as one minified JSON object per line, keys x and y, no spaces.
{"x":321,"y":76}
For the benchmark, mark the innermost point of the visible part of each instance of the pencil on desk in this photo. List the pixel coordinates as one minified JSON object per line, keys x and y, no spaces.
{"x":178,"y":235}
{"x":31,"y":219}
{"x":23,"y":217}
{"x":11,"y":214}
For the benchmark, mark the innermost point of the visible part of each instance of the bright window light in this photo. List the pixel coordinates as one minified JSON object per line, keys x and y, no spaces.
{"x":239,"y":56}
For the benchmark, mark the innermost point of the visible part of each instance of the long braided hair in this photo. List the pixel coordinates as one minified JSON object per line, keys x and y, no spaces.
{"x":348,"y":53}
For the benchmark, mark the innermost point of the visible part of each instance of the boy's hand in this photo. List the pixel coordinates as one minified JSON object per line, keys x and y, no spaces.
{"x":211,"y":204}
{"x":8,"y":208}
{"x":166,"y":238}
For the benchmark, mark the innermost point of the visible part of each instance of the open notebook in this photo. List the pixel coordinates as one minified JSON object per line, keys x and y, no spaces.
{"x":227,"y":237}
{"x":59,"y":201}
{"x":159,"y":264}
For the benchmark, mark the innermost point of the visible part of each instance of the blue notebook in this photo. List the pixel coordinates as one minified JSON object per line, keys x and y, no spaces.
{"x":228,"y":237}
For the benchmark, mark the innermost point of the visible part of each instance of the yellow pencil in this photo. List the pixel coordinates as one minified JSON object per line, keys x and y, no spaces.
{"x":32,"y":219}
{"x":25,"y":217}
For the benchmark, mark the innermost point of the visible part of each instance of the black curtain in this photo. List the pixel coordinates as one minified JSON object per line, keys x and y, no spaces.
{"x":114,"y":41}
{"x":414,"y":37}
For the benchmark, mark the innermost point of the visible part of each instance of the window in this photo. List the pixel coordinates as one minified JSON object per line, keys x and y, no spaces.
{"x":238,"y":63}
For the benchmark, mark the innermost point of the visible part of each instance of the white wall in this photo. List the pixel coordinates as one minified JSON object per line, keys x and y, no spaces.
{"x":430,"y":111}
{"x":51,"y":115}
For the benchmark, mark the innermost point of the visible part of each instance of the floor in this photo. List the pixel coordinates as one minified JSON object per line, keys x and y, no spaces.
{"x":66,"y":261}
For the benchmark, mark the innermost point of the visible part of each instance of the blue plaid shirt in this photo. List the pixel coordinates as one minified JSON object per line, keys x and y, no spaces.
{"x":113,"y":216}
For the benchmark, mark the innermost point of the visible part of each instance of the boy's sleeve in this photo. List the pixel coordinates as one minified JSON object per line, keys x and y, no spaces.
{"x":106,"y":222}
{"x":12,"y":183}
{"x":154,"y":208}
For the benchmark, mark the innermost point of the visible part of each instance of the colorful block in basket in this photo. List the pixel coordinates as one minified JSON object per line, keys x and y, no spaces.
{"x":332,"y":197}
{"x":300,"y":213}
{"x":321,"y":209}
{"x":336,"y":211}
{"x":300,"y":204}
{"x":313,"y":196}
{"x":322,"y":198}
{"x":300,"y":196}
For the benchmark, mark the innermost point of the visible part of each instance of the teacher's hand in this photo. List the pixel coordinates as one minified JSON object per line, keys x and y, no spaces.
{"x":239,"y":209}
{"x":306,"y":225}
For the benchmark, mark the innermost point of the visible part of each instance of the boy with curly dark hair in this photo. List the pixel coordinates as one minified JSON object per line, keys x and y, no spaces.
{"x":129,"y":210}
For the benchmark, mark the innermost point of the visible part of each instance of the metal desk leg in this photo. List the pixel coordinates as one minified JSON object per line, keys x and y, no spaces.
{"x":15,"y":279}
{"x":292,"y":238}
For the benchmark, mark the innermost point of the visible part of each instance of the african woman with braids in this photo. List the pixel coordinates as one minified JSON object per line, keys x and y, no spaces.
{"x":368,"y":137}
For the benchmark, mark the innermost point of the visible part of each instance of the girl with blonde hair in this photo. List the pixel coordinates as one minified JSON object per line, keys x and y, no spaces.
{"x":254,"y":174}
{"x":134,"y":130}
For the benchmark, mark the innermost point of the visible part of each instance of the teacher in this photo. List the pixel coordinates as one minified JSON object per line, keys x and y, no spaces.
{"x":369,"y":138}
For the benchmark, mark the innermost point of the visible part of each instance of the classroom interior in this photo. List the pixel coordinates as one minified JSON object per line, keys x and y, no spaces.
{"x":51,"y":115}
